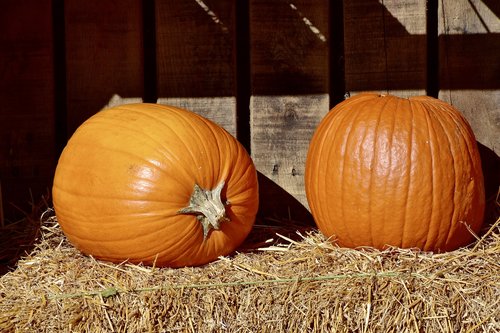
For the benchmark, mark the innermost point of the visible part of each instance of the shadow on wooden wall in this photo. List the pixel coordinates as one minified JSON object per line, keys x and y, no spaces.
{"x":381,"y":54}
{"x":278,"y":204}
{"x":491,"y":166}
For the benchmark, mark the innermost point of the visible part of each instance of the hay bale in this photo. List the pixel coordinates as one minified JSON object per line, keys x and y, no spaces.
{"x":292,"y":284}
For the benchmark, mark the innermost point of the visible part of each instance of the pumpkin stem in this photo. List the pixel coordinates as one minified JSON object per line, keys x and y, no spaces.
{"x":208,"y":207}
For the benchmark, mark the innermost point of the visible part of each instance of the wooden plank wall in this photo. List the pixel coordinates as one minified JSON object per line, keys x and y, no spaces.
{"x":195,"y":52}
{"x":104,"y":55}
{"x":289,"y":86}
{"x":27,"y":152}
{"x":385,"y":46}
{"x":469,"y":48}
{"x":268,"y":71}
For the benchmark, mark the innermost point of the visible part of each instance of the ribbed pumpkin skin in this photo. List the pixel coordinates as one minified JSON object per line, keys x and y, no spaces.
{"x":127,"y":171}
{"x":383,"y":170}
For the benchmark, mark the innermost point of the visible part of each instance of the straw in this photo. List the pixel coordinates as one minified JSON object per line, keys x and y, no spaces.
{"x":278,"y":282}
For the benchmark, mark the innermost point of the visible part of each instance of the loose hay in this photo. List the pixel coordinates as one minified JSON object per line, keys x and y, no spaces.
{"x":288,"y":284}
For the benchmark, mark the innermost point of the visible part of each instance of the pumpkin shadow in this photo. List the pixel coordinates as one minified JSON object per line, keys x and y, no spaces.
{"x":490,"y":163}
{"x":279,"y":214}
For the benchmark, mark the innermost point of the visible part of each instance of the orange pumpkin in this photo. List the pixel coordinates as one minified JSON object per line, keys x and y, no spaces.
{"x":383,"y":170}
{"x":154,"y":184}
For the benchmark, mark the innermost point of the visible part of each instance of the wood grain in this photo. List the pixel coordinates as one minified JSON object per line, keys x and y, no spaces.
{"x":279,"y":149}
{"x":289,"y":49}
{"x":104,"y":55}
{"x":195,"y":48}
{"x":470,"y":65}
{"x":385,"y":46}
{"x":220,"y":110}
{"x":196,"y":57}
{"x":27,"y":155}
{"x":289,"y":75}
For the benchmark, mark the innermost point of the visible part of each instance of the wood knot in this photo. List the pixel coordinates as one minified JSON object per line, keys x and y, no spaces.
{"x":275,"y":169}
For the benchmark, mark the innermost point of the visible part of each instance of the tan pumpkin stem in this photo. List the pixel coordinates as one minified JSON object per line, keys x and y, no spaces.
{"x":208,"y":207}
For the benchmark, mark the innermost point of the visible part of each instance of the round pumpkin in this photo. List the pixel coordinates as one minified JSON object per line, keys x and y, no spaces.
{"x":154,"y":184}
{"x":388,"y":171}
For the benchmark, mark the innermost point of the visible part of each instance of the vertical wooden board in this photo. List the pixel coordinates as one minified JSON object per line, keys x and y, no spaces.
{"x":289,"y":47}
{"x":385,"y":46}
{"x":470,"y":64}
{"x":195,"y":52}
{"x":220,"y":110}
{"x":282,"y":127}
{"x":104,"y":55}
{"x":27,"y":144}
{"x":289,"y":75}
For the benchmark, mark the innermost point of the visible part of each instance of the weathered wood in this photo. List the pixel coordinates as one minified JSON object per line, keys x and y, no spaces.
{"x":220,"y":110}
{"x":26,"y":104}
{"x":289,"y":63}
{"x":385,"y":46}
{"x":190,"y":61}
{"x":282,"y":127}
{"x":196,"y":57}
{"x":470,"y":65}
{"x":116,"y":100}
{"x":104,"y":55}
